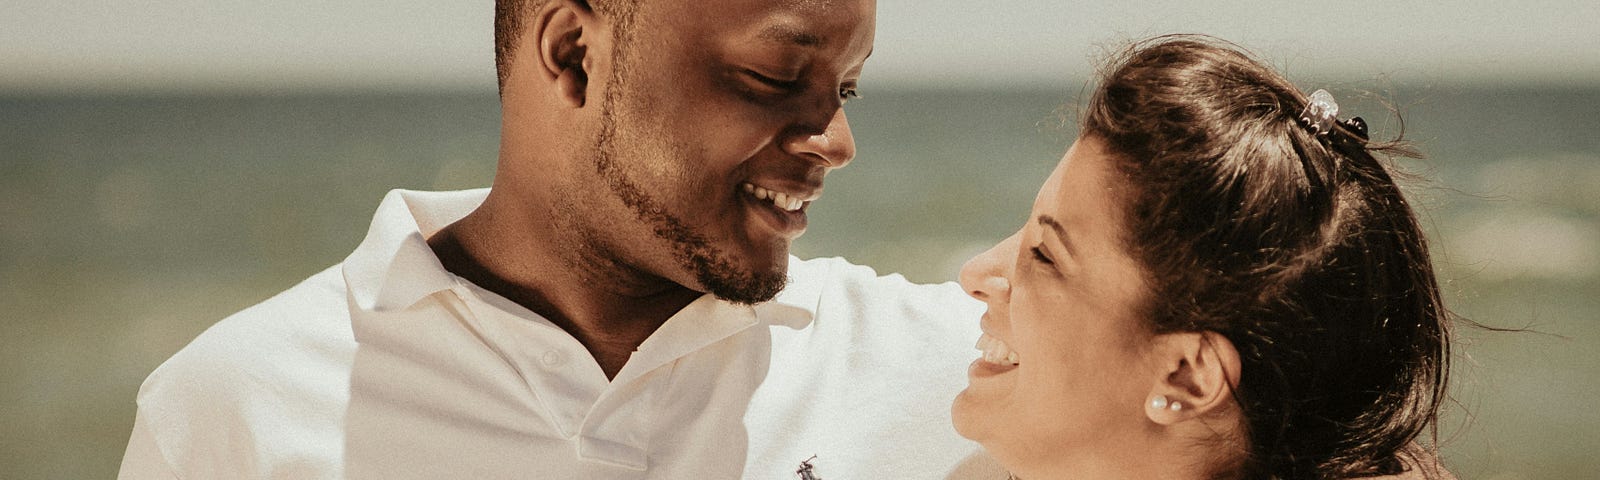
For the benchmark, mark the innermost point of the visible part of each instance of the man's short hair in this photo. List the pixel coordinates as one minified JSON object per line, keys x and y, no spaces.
{"x":510,"y":20}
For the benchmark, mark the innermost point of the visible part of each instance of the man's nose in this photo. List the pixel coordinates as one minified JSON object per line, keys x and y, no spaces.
{"x":984,"y":276}
{"x":831,"y":144}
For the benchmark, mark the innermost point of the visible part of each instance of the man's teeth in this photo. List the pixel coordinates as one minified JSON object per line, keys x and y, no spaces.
{"x":778,"y":199}
{"x":996,"y":351}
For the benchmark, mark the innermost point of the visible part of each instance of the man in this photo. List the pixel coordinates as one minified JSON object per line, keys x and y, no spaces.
{"x":621,"y":303}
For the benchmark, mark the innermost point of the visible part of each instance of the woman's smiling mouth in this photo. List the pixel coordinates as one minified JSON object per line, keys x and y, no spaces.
{"x":996,"y":351}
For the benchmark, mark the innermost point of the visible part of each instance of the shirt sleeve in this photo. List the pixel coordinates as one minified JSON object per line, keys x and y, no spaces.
{"x":143,"y":459}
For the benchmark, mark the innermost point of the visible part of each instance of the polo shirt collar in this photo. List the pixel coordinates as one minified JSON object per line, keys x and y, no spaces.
{"x":708,"y":320}
{"x":796,"y":305}
{"x":394,"y":267}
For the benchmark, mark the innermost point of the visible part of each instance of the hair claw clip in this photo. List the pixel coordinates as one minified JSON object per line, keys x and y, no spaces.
{"x":1357,"y":126}
{"x":1321,"y":113}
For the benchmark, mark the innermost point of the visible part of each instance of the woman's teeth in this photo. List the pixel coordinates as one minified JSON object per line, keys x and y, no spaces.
{"x":779,"y":199}
{"x":996,"y":351}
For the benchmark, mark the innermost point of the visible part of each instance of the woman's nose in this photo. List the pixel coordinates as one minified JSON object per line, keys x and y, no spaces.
{"x":984,"y":276}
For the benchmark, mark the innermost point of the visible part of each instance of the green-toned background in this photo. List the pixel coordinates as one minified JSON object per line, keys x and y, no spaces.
{"x":128,"y":224}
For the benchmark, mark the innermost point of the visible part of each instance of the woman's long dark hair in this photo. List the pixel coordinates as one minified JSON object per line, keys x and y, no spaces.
{"x":1299,"y":248}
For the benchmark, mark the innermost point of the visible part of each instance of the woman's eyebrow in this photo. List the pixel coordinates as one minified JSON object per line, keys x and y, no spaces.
{"x":1061,"y":233}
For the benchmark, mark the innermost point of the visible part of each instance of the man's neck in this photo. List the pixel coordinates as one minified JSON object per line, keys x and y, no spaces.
{"x":611,"y":311}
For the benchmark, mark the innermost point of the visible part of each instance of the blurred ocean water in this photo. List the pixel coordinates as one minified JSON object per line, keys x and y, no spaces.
{"x":129,"y":224}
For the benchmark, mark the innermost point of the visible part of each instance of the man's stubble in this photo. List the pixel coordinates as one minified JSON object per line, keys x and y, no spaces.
{"x":691,"y":250}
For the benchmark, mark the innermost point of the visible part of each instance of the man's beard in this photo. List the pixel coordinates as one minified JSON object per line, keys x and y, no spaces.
{"x":691,"y":250}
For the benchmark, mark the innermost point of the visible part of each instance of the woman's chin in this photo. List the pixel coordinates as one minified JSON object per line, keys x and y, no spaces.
{"x":979,"y":421}
{"x":962,"y":417}
{"x":974,"y":416}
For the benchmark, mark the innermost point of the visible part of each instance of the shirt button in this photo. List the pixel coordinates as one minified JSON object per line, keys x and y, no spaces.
{"x":553,"y":358}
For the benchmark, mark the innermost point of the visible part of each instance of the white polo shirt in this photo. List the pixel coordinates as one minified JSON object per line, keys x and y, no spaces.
{"x":388,"y":366}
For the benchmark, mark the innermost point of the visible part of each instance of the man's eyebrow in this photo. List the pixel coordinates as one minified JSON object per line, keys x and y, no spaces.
{"x":1061,"y":233}
{"x":789,"y":34}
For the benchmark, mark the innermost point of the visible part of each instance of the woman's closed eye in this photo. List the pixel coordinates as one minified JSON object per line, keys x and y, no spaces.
{"x":1040,"y":255}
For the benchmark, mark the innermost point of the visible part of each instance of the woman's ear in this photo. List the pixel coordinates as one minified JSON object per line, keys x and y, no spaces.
{"x":1198,"y":372}
{"x":564,"y":35}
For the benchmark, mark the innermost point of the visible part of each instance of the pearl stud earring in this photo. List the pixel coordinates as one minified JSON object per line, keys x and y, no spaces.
{"x":1161,"y":402}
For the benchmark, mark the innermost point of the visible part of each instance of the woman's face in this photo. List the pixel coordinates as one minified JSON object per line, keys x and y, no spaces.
{"x":1063,"y":371}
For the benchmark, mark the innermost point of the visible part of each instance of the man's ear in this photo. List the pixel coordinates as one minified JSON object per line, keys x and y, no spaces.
{"x":1198,"y":372}
{"x":563,"y":34}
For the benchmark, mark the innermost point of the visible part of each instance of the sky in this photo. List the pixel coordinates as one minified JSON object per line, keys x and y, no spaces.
{"x":185,"y":45}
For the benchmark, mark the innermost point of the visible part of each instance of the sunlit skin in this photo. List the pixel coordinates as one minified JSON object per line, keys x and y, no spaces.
{"x":699,"y":105}
{"x":1062,"y":293}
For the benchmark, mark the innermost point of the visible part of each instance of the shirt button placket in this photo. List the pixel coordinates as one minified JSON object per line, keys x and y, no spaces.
{"x":551,"y":360}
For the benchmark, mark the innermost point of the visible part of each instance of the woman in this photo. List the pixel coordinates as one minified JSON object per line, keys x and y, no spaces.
{"x":1219,"y":280}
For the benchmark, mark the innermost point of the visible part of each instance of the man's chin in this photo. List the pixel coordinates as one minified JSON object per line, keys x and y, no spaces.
{"x":750,"y":293}
{"x":748,"y":284}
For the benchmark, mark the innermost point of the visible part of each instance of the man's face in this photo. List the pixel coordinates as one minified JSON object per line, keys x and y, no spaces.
{"x":720,"y":120}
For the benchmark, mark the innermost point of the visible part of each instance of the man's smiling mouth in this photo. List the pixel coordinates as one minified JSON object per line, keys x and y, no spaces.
{"x":784,"y":201}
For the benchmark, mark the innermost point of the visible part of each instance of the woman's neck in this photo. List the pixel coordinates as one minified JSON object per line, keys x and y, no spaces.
{"x":1169,"y":455}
